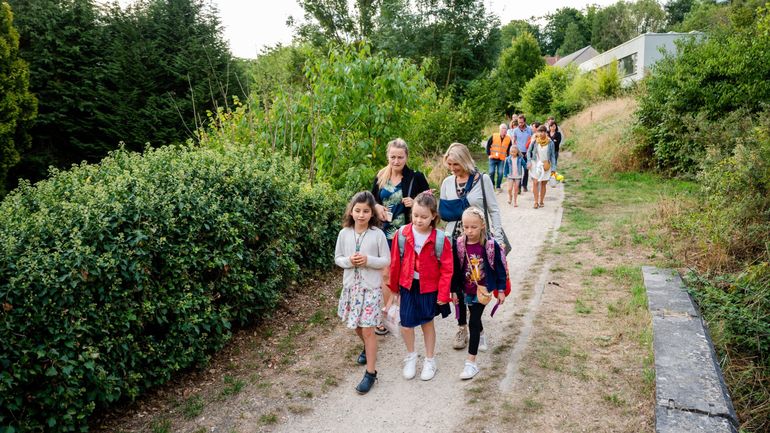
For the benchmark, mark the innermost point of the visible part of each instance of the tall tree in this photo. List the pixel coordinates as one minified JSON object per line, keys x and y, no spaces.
{"x":17,"y":105}
{"x":336,"y":21}
{"x":516,"y":28}
{"x":647,"y":16}
{"x":676,"y":10}
{"x":612,"y":26}
{"x":557,"y":24}
{"x":517,"y":64}
{"x":574,"y":39}
{"x":62,"y":42}
{"x":457,"y":36}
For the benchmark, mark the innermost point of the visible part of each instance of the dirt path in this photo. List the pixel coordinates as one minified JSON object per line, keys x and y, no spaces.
{"x":439,"y":405}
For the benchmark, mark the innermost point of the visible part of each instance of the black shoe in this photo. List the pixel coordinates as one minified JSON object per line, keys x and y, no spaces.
{"x":367,"y":382}
{"x":362,"y":357}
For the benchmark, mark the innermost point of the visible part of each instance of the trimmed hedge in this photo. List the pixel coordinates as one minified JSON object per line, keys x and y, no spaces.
{"x":117,"y":275}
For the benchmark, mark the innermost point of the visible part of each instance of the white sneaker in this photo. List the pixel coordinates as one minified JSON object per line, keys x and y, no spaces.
{"x":483,"y":343}
{"x":428,"y":369}
{"x":410,"y":365}
{"x":469,"y":371}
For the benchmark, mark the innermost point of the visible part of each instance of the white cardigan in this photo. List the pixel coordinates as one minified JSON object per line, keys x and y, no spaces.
{"x":374,"y":246}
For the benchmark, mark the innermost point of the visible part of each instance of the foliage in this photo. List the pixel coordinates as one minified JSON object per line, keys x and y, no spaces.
{"x":517,"y":65}
{"x":335,"y":21}
{"x":516,"y":28}
{"x":574,"y":39}
{"x":579,"y":93}
{"x":611,"y":27}
{"x":441,"y":123}
{"x":458,"y":37}
{"x":557,"y":24}
{"x":544,"y":89}
{"x":338,"y":127}
{"x":677,"y":10}
{"x":608,"y":80}
{"x":705,"y":80}
{"x":115,"y":276}
{"x":17,"y":105}
{"x":102,"y":75}
{"x":737,"y":308}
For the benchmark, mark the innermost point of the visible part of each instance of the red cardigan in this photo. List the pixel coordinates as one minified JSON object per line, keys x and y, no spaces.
{"x":434,"y":276}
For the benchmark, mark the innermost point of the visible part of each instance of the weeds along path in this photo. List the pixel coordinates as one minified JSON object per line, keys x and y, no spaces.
{"x":441,"y":405}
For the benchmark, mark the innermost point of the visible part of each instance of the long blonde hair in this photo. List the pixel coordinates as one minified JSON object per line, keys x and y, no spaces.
{"x":460,"y":154}
{"x":384,"y":175}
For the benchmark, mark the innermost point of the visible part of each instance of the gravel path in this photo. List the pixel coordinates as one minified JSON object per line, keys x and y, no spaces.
{"x":398,"y":405}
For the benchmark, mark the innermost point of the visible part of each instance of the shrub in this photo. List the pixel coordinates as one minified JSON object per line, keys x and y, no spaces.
{"x":608,"y":80}
{"x":114,"y":276}
{"x":724,"y":73}
{"x":545,"y":89}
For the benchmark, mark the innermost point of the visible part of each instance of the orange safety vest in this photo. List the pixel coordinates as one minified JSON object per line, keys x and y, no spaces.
{"x":499,"y":147}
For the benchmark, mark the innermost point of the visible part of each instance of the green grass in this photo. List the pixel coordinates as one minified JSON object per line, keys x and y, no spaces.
{"x":193,"y":407}
{"x":268,"y":418}
{"x":581,"y":307}
{"x":233,"y":386}
{"x":161,"y":426}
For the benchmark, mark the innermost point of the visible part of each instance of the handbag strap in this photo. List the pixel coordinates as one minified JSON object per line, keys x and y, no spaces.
{"x":484,"y":197}
{"x":411,"y":182}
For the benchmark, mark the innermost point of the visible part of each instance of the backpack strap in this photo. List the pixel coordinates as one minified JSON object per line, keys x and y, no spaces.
{"x":401,"y":241}
{"x":439,"y":245}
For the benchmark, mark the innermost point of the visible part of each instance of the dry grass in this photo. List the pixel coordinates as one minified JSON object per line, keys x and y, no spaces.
{"x":599,"y":134}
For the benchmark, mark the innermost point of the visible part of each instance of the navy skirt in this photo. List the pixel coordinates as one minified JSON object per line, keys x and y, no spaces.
{"x":417,"y":308}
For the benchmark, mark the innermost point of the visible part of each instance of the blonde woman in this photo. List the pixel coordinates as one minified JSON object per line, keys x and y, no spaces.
{"x":466,"y":182}
{"x":542,"y":159}
{"x":394,"y":190}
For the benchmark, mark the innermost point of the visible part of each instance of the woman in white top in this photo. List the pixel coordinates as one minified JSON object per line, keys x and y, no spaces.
{"x":541,"y":157}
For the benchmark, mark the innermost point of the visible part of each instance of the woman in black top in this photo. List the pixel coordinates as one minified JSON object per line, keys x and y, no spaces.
{"x":555,"y":136}
{"x":394,"y":189}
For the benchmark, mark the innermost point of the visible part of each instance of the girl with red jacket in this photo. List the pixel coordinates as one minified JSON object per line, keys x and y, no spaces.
{"x":420,"y":275}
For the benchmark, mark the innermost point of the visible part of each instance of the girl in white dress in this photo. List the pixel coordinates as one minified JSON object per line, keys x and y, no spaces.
{"x":542,"y":159}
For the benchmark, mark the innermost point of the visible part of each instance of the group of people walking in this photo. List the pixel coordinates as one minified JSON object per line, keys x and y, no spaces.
{"x":392,"y":253}
{"x":519,"y":152}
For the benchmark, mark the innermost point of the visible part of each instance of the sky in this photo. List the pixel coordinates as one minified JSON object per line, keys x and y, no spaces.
{"x":251,"y":25}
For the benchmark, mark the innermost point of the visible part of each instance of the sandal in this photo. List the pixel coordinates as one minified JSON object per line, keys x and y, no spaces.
{"x":535,"y":207}
{"x":381,"y":330}
{"x":541,"y":204}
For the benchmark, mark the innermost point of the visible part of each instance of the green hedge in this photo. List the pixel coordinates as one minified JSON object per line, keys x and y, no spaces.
{"x":114,"y":276}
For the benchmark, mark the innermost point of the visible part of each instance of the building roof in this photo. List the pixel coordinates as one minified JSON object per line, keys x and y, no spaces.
{"x":577,"y":57}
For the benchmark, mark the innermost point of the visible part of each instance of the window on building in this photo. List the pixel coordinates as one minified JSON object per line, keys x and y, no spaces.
{"x":627,"y":65}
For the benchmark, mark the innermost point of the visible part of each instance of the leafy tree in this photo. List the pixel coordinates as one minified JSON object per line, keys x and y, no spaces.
{"x":612,"y":26}
{"x":516,"y":66}
{"x":556,"y":27}
{"x":647,"y":16}
{"x":516,"y":28}
{"x":574,"y":39}
{"x":17,"y":106}
{"x":334,"y":21}
{"x":456,"y":36}
{"x":706,"y":16}
{"x":676,"y":10}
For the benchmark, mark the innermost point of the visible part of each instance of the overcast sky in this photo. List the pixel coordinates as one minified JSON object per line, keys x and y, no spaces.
{"x":250,"y":25}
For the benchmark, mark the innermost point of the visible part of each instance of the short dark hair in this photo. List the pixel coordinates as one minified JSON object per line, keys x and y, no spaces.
{"x":361,"y":197}
{"x":521,"y":116}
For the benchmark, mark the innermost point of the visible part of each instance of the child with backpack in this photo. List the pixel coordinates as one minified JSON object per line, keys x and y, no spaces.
{"x":479,"y":271}
{"x":362,"y":251}
{"x":420,"y":277}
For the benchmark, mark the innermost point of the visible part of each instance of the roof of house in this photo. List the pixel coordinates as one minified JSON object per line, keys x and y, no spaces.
{"x":577,"y":57}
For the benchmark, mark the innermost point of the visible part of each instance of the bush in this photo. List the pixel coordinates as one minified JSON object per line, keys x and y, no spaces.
{"x":608,"y":80}
{"x":435,"y":126}
{"x":543,"y":91}
{"x":722,"y":74}
{"x":115,"y":276}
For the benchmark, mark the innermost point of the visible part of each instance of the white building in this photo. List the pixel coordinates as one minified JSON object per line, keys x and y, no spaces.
{"x":636,"y":56}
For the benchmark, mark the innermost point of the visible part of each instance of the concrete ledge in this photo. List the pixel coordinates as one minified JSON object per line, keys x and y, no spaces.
{"x":690,"y":393}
